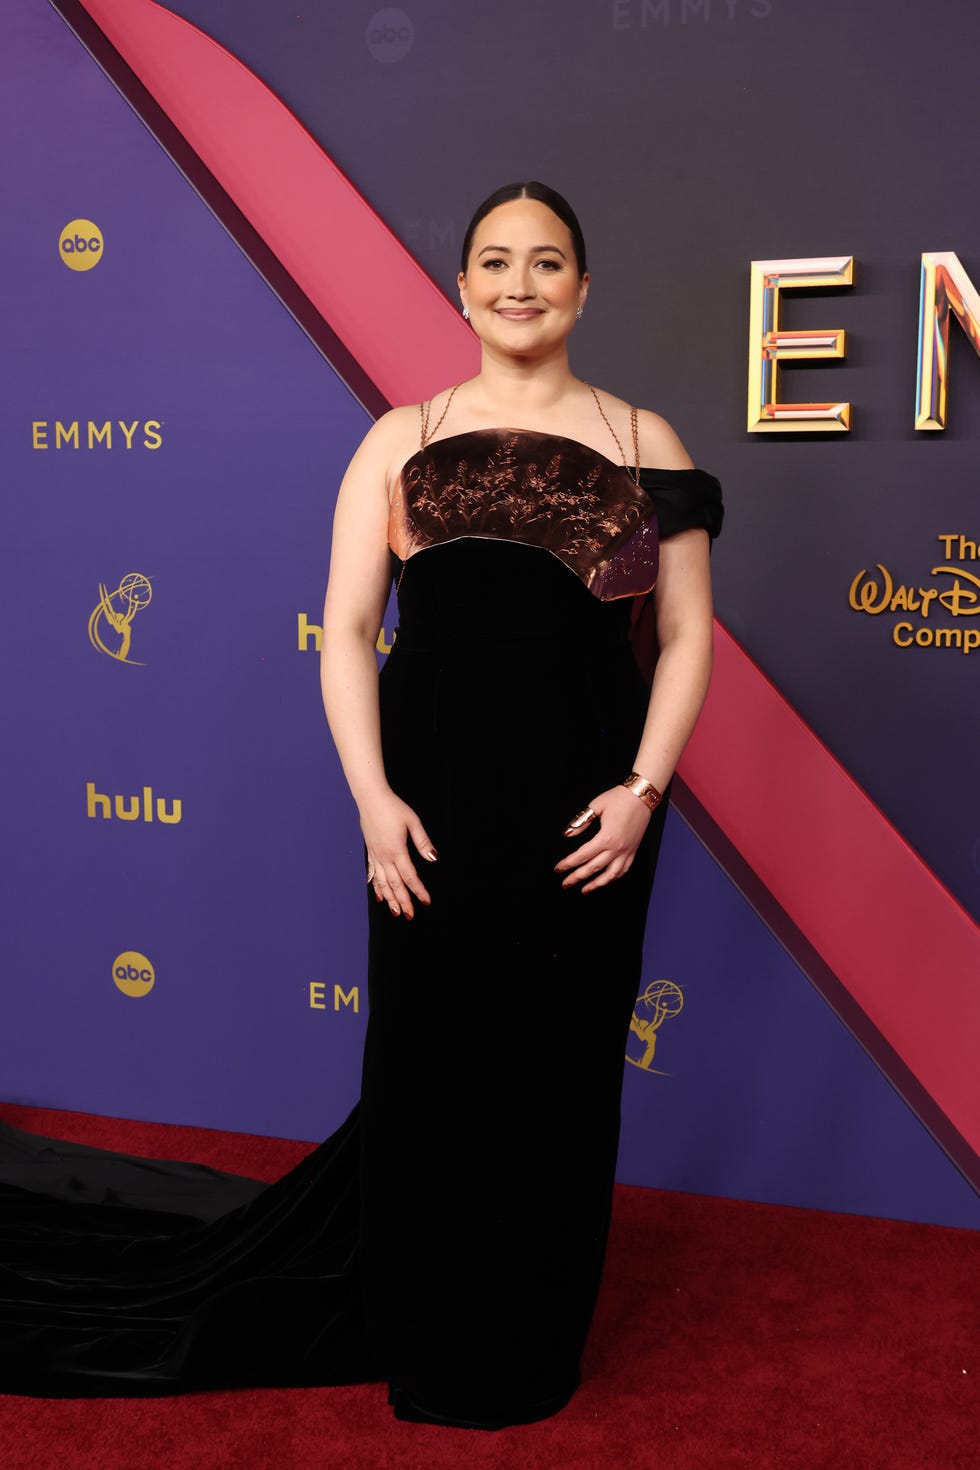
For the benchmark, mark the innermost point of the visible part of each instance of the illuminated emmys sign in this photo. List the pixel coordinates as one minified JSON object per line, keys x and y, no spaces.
{"x":946,"y":290}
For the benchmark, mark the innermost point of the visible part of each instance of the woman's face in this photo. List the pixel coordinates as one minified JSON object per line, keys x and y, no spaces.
{"x":521,"y":283}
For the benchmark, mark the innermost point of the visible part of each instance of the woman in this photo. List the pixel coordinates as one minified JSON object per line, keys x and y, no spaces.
{"x":509,"y":767}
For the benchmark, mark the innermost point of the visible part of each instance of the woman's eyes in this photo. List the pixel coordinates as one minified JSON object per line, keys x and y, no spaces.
{"x":552,"y":265}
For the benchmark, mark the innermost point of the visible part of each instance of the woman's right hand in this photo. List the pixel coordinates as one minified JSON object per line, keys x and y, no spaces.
{"x":387,"y":823}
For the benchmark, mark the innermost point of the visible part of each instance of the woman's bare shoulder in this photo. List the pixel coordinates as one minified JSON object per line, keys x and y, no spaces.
{"x":395,"y":425}
{"x":389,"y":441}
{"x":409,"y":415}
{"x":404,"y":423}
{"x":660,"y":446}
{"x":399,"y":431}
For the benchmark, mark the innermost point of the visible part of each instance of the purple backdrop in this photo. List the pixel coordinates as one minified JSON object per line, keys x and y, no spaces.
{"x":254,"y":896}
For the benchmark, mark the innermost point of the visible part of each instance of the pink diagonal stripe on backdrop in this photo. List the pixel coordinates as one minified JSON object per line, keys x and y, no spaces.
{"x":378,"y":300}
{"x":893,"y":935}
{"x":879,"y":917}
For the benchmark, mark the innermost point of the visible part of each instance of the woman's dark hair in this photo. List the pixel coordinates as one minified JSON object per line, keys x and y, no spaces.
{"x":530,"y":190}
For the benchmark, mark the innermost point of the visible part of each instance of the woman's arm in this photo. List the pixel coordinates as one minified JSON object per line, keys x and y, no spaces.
{"x":682,"y":599}
{"x":683,"y":606}
{"x":357,"y":590}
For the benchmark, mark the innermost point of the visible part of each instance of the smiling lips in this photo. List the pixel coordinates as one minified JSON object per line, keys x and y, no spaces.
{"x":519,"y":314}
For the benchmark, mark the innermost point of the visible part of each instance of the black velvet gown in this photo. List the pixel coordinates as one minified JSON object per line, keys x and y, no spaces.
{"x":449,"y":1236}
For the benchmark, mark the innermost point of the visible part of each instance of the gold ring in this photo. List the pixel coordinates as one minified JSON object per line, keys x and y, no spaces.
{"x":583,"y":818}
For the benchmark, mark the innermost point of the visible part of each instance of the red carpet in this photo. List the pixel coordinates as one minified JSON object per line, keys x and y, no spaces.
{"x":727,"y":1335}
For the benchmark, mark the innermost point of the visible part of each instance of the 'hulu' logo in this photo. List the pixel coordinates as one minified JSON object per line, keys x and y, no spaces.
{"x":131,"y":808}
{"x":310,"y":635}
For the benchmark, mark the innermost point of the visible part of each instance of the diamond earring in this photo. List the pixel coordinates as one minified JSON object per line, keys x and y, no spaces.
{"x":578,"y":311}
{"x":466,"y":313}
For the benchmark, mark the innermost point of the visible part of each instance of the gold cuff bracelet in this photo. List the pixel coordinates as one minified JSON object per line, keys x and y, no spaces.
{"x":644,"y":789}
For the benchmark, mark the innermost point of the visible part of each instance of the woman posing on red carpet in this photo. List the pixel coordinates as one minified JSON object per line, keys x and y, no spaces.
{"x":549,"y":545}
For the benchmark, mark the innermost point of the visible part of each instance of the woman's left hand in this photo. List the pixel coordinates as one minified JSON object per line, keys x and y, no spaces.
{"x":607,"y":855}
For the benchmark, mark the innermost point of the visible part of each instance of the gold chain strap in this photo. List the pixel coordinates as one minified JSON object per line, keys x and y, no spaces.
{"x":426,"y":434}
{"x":424,"y":410}
{"x":634,"y":425}
{"x":424,"y":437}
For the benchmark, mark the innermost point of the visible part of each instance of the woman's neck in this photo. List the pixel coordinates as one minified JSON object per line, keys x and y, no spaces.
{"x":522,"y":386}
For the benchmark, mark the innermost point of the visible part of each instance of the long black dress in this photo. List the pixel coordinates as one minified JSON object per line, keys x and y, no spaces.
{"x":449,"y":1236}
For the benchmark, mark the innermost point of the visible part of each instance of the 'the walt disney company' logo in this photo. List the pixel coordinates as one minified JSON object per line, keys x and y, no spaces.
{"x":959,"y":597}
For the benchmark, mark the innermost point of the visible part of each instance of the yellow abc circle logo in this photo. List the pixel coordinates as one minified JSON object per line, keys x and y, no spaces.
{"x":80,"y":245}
{"x":133,"y":973}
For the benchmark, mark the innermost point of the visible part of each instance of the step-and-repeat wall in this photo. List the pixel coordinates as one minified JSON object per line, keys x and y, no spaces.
{"x":185,"y":909}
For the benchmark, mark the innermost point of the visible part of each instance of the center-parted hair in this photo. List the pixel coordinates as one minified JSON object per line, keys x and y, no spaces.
{"x":532,"y":189}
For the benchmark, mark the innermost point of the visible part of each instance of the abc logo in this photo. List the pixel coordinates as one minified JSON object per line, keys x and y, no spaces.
{"x":80,"y":245}
{"x":133,"y":973}
{"x":389,"y":35}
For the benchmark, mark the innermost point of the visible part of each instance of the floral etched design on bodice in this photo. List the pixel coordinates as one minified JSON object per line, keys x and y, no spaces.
{"x":539,"y":489}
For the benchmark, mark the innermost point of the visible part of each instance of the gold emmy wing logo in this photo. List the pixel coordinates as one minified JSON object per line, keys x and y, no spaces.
{"x":660,"y":1002}
{"x":80,"y":245}
{"x":132,"y":972}
{"x":113,"y":615}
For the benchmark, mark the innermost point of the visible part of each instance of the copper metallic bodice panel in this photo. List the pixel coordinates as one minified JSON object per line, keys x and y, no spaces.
{"x":539,"y":489}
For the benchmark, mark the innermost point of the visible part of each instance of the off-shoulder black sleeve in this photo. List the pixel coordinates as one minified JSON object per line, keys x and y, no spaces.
{"x":684,"y":498}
